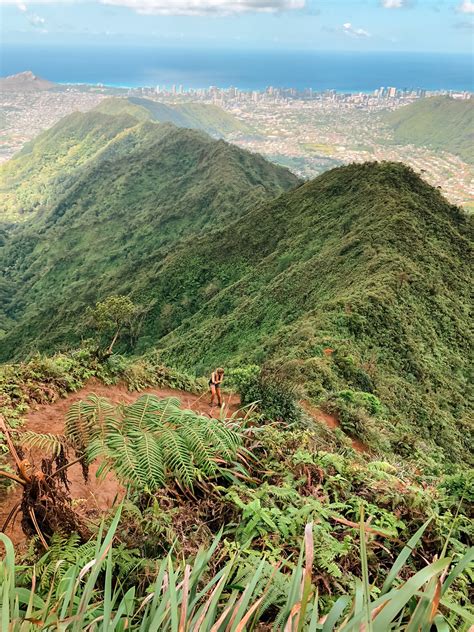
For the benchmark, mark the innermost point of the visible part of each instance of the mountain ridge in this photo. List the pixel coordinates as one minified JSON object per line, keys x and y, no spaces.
{"x":206,"y":117}
{"x":235,"y":261}
{"x":46,"y":166}
{"x":439,"y":122}
{"x":149,"y":186}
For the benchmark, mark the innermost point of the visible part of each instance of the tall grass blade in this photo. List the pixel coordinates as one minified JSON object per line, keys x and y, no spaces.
{"x":402,"y":596}
{"x":460,"y":567}
{"x":403,"y":557}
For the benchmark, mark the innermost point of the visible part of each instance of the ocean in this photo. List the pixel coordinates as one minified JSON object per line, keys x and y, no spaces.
{"x":151,"y":66}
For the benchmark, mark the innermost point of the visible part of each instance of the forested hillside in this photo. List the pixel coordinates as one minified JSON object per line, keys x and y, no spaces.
{"x":368,"y":261}
{"x":101,"y":230}
{"x":32,"y":181}
{"x":438,"y":122}
{"x":330,"y":490}
{"x":204,"y":116}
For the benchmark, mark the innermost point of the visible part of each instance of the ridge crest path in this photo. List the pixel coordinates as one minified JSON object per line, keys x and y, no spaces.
{"x":101,"y":494}
{"x":96,"y":494}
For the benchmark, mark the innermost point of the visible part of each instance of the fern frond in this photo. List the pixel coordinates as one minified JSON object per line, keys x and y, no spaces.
{"x":87,"y":419}
{"x":124,"y":459}
{"x":177,"y":456}
{"x":44,"y":442}
{"x":203,"y":453}
{"x":149,"y":455}
{"x":150,"y":440}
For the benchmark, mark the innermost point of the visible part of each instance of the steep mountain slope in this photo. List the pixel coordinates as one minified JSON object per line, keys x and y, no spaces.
{"x":209,"y":118}
{"x":47,"y":166}
{"x":357,"y":280}
{"x":149,"y":187}
{"x":368,"y":262}
{"x":438,"y":122}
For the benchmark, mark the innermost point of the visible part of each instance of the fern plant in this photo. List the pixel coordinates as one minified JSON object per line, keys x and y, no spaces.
{"x":152,"y":441}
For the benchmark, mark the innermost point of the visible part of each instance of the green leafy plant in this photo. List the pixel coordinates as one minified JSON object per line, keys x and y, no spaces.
{"x":276,"y":398}
{"x":111,"y":318}
{"x":185,"y":597}
{"x":152,"y":441}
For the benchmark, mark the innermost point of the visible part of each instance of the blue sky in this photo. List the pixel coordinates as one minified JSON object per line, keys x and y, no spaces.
{"x":359,"y":25}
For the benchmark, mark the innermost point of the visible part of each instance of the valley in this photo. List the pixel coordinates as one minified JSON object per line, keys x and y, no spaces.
{"x":308,"y":136}
{"x":139,"y":250}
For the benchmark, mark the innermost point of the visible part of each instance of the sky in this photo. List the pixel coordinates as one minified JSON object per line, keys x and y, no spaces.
{"x":345,"y":25}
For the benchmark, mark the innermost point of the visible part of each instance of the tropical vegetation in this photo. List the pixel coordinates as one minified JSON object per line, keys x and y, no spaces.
{"x":135,"y":258}
{"x":439,"y":122}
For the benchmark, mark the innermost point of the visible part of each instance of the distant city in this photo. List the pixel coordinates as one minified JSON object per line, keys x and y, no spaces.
{"x":307,"y":131}
{"x":383,"y":95}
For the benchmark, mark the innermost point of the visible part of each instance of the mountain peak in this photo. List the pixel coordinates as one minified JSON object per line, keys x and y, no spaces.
{"x":26,"y":80}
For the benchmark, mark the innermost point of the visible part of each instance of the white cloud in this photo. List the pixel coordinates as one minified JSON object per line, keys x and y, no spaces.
{"x":35,"y":20}
{"x":467,"y":6}
{"x":394,"y":4}
{"x":185,"y":7}
{"x":350,"y":30}
{"x":22,"y":5}
{"x":208,"y":7}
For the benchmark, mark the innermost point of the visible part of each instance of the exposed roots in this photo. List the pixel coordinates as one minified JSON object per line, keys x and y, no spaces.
{"x":45,"y":503}
{"x":46,"y":508}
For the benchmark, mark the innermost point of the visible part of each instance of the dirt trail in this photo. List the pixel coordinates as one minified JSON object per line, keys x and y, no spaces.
{"x":331,"y":422}
{"x":95,"y":494}
{"x":103,"y":494}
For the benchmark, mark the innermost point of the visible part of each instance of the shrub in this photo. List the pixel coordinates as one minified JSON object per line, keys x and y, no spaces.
{"x":354,"y":411}
{"x":276,"y":397}
{"x":354,"y":375}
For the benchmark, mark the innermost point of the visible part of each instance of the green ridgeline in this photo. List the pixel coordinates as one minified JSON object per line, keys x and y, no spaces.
{"x":367,"y":260}
{"x":49,"y":165}
{"x":209,"y":118}
{"x":438,"y":122}
{"x":103,"y":228}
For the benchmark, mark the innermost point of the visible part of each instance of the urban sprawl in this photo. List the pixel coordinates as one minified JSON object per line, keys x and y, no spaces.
{"x":308,"y":131}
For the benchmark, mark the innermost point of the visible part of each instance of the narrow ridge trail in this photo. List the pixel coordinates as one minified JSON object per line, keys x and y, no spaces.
{"x":331,"y":422}
{"x":98,"y":495}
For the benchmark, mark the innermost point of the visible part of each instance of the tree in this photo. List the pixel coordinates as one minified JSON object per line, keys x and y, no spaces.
{"x":112,"y":317}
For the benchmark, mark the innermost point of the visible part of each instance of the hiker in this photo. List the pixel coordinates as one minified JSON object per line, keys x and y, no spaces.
{"x":215,"y":382}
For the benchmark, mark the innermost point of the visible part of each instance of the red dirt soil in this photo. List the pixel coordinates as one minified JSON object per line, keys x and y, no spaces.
{"x":331,"y":422}
{"x":95,"y":494}
{"x":103,"y":494}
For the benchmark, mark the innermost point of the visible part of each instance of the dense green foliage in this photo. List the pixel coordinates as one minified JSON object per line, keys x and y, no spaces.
{"x":291,"y":477}
{"x":81,"y":144}
{"x":85,"y":591}
{"x":46,"y":167}
{"x":272,"y":395}
{"x":43,"y":380}
{"x":118,"y":217}
{"x":350,"y":292}
{"x":209,"y":118}
{"x":438,"y":122}
{"x":357,"y":280}
{"x":294,"y":477}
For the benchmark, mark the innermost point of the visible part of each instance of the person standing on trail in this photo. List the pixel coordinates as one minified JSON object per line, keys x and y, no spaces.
{"x":215,"y":382}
